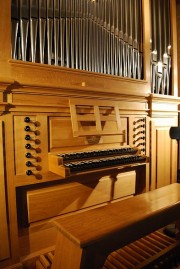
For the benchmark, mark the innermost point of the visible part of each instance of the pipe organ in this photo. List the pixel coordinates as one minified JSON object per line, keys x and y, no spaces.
{"x":160,"y":47}
{"x":88,"y":93}
{"x":97,"y":36}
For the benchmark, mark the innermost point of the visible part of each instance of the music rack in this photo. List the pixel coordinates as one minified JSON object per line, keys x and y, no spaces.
{"x":98,"y":113}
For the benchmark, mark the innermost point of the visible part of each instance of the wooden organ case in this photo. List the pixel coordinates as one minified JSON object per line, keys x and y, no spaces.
{"x":80,"y":154}
{"x":75,"y":137}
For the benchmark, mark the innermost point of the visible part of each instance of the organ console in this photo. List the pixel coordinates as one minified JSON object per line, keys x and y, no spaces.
{"x":107,"y":122}
{"x":88,"y":93}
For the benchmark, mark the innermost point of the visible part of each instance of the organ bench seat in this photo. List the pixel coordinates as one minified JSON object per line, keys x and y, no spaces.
{"x":87,"y":238}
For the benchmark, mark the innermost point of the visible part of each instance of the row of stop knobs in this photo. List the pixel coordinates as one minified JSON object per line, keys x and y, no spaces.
{"x":139,"y":134}
{"x":32,"y":145}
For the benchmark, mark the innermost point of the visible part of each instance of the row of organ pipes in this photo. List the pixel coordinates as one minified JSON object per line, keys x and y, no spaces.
{"x":103,"y":36}
{"x":160,"y":47}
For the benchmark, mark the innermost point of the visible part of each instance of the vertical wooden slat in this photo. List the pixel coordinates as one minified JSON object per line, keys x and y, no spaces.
{"x":153,"y":156}
{"x":174,"y":48}
{"x":146,"y":43}
{"x":4,"y":240}
{"x":163,"y":157}
{"x":97,"y":118}
{"x":74,"y":119}
{"x":118,"y":120}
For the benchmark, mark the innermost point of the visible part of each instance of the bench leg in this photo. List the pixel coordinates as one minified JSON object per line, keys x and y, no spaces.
{"x":68,"y":255}
{"x":178,"y":227}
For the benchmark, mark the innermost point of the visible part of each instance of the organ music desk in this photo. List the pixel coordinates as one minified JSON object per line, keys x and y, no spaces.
{"x":96,"y":124}
{"x":85,"y":239}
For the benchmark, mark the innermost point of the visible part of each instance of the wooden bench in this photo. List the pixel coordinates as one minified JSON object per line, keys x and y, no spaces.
{"x":87,"y":238}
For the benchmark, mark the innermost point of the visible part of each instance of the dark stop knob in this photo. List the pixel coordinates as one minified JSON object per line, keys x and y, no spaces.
{"x":28,"y":163}
{"x":27,"y":128}
{"x":28,"y":172}
{"x":28,"y":146}
{"x":28,"y":155}
{"x":28,"y":137}
{"x":27,"y":119}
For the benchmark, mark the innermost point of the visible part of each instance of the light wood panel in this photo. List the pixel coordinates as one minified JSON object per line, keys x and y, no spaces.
{"x":163,"y":150}
{"x":4,"y":238}
{"x":11,"y":190}
{"x":163,"y":153}
{"x":124,"y":185}
{"x":163,"y":157}
{"x":178,"y":40}
{"x":62,"y":138}
{"x":64,"y":198}
{"x":49,"y":202}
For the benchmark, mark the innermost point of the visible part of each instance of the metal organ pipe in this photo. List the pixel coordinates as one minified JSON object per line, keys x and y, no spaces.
{"x":56,"y":32}
{"x":103,"y":36}
{"x":33,"y":27}
{"x":15,"y":26}
{"x":42,"y":29}
{"x":161,"y":47}
{"x":24,"y":27}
